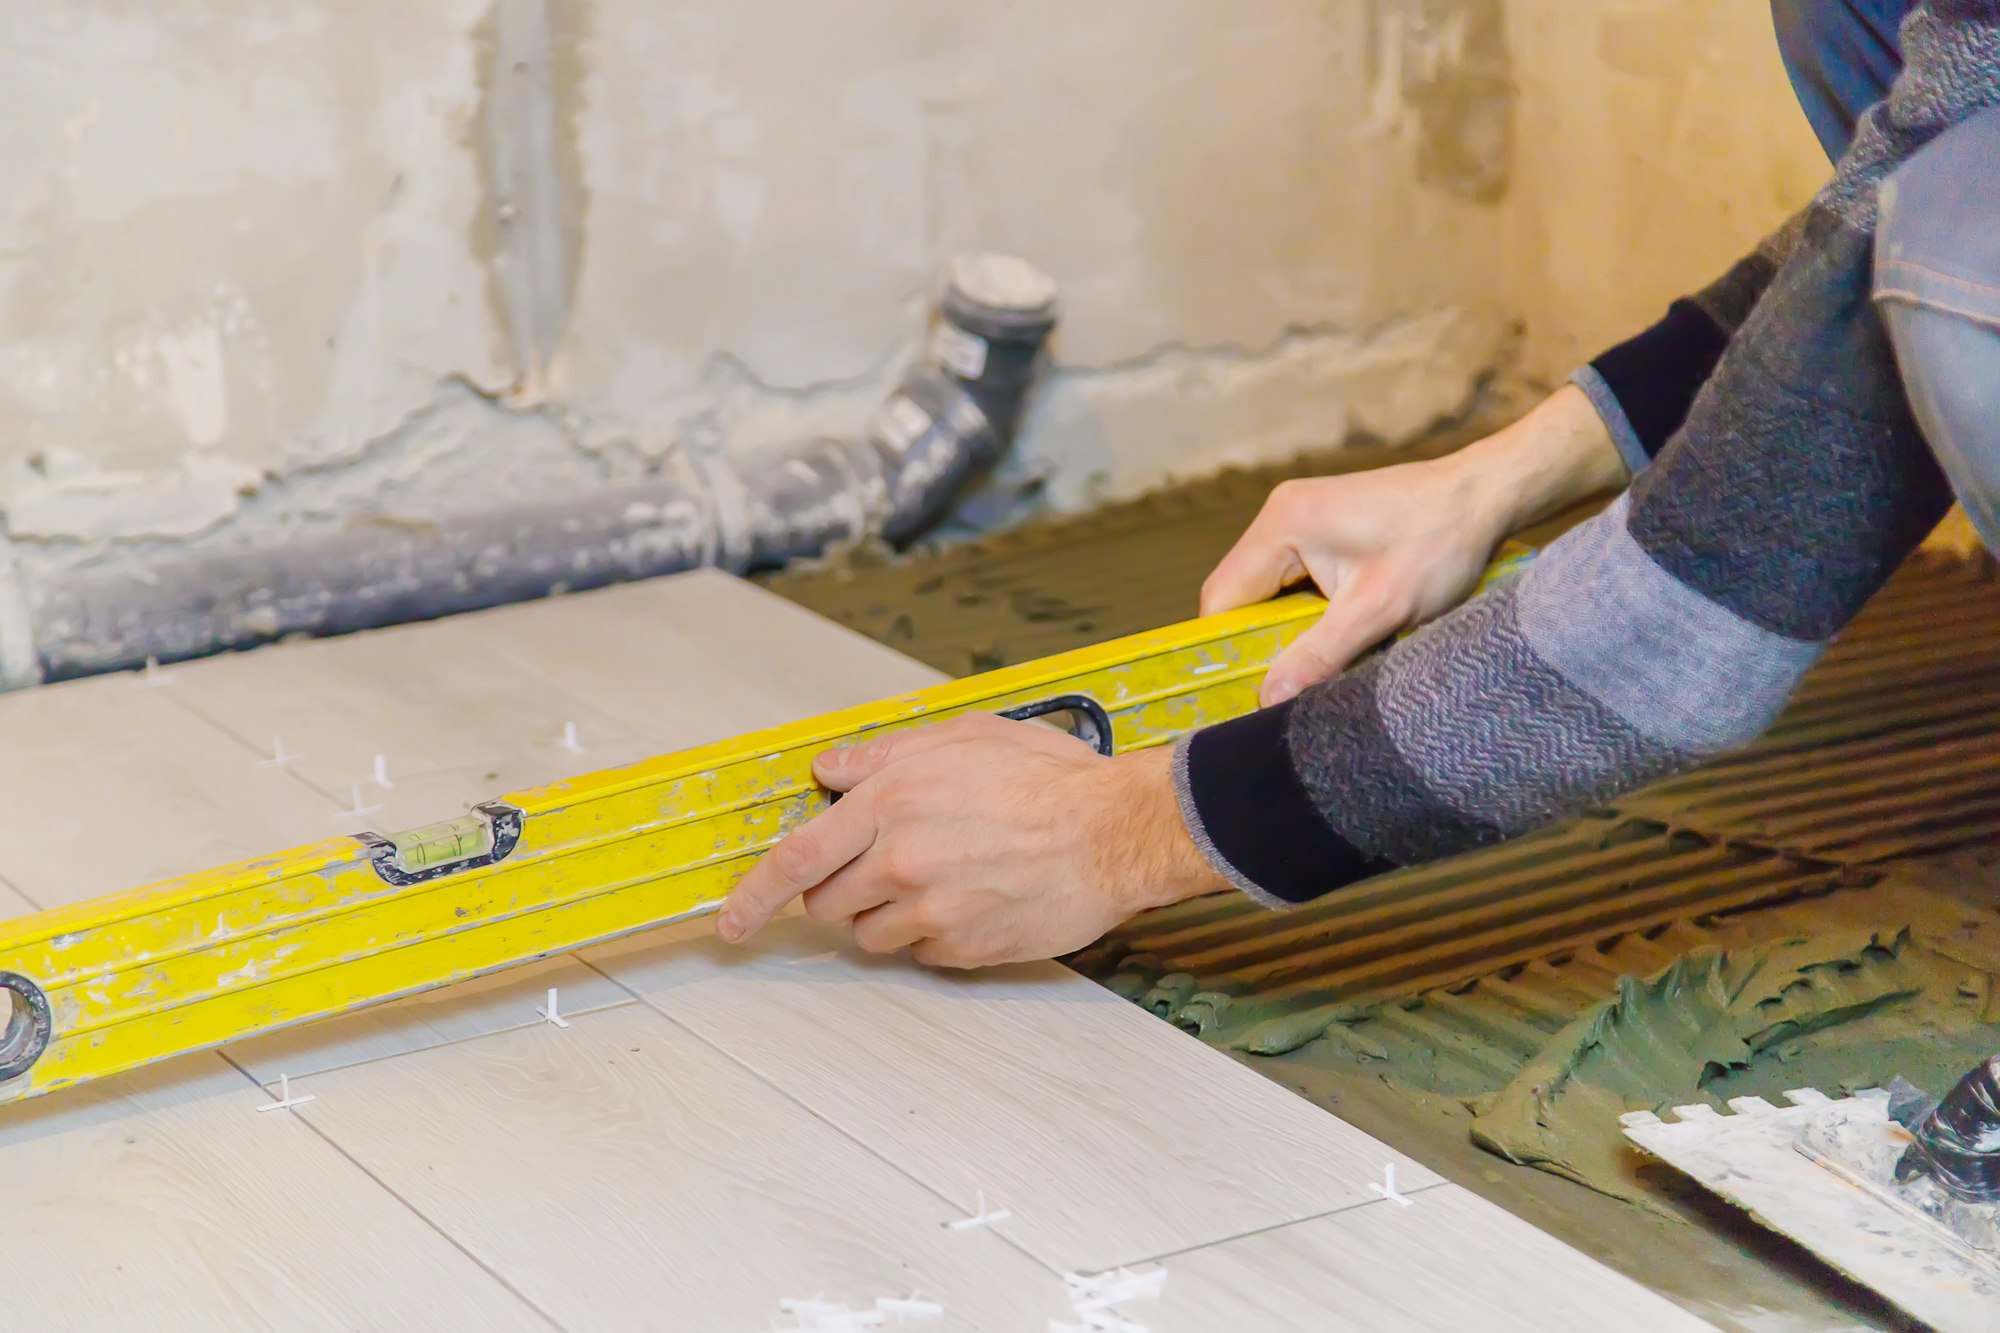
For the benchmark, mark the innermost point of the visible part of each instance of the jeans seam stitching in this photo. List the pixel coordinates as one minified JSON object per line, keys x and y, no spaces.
{"x":1930,"y":272}
{"x":1984,"y":318}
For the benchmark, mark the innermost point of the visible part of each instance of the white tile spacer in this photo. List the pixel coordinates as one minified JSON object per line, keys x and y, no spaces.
{"x":1094,"y":1299}
{"x":829,"y":1317}
{"x":358,"y":810}
{"x":901,"y":1308}
{"x":980,"y":1216}
{"x":551,"y":1014}
{"x":380,"y":777}
{"x":152,"y":677}
{"x":1386,"y":1187}
{"x":279,"y":759}
{"x":285,"y":1099}
{"x":569,"y":741}
{"x":810,"y":1308}
{"x":1101,"y":1291}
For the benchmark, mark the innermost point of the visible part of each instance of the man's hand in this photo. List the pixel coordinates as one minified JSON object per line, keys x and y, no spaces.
{"x":1400,"y":545}
{"x":979,"y":841}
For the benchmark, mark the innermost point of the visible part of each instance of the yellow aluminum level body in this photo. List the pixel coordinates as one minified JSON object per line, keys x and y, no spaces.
{"x":121,"y":981}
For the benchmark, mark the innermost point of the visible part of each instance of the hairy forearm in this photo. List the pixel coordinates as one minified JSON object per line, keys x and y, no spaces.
{"x":1555,"y":457}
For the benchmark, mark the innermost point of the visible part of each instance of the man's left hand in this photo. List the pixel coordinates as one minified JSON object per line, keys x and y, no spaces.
{"x":979,"y":841}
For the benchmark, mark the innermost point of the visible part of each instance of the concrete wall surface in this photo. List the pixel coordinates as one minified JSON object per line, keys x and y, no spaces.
{"x":271,"y":264}
{"x":1659,"y":139}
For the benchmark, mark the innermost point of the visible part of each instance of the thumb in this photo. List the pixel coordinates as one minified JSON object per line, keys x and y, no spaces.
{"x":1354,"y":623}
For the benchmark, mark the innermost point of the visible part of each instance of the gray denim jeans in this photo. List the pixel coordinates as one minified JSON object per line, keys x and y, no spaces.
{"x":1937,"y":248}
{"x":1937,"y":284}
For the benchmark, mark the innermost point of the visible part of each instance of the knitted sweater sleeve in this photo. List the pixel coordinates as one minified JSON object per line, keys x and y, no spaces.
{"x":1671,"y":627}
{"x":1644,"y":386}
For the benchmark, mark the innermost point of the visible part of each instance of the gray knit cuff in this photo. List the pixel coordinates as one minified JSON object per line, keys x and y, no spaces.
{"x":1623,"y":438}
{"x":1191,"y":817}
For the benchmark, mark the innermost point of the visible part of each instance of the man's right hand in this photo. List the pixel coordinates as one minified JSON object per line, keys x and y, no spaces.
{"x":1399,"y":545}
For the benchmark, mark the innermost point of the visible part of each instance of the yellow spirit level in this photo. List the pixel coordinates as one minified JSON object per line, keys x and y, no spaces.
{"x":121,"y":981}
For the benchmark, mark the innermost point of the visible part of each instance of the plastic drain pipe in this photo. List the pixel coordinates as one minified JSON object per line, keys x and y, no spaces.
{"x":949,"y":419}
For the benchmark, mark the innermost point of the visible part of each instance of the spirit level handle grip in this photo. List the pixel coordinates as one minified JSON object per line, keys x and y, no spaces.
{"x":26,"y":1034}
{"x":1093,"y":724}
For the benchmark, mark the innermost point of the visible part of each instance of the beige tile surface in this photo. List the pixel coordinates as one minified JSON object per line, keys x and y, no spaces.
{"x":488,"y":1004}
{"x":625,"y":1175}
{"x":699,"y":657}
{"x":12,"y":903}
{"x":1448,"y":1263}
{"x":450,"y":792}
{"x":108,"y":784}
{"x":426,"y":697}
{"x":166,"y":1201}
{"x":1108,"y":1134}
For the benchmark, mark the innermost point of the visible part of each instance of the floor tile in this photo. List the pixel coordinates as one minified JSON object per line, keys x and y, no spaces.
{"x":109,"y":785}
{"x":1108,"y":1134}
{"x":624,"y":1174}
{"x":165,"y":1200}
{"x":1447,"y":1263}
{"x":475,"y":1008}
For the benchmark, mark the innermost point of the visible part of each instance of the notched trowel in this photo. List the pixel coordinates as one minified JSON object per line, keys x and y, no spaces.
{"x":1897,"y":1190}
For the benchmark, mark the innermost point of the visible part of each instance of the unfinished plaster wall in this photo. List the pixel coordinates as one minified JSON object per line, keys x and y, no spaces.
{"x":280,"y":264}
{"x":271,"y":266}
{"x":1657,"y":140}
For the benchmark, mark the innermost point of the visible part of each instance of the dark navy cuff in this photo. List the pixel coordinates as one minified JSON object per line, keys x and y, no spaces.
{"x":1656,"y":374}
{"x":1251,"y":817}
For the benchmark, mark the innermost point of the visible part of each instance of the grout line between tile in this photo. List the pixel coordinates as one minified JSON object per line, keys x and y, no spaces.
{"x":740,"y":1063}
{"x":249,"y":746}
{"x":414,"y":1211}
{"x":23,"y":894}
{"x":443,"y":1042}
{"x":933,"y":1190}
{"x":541,"y":679}
{"x":1356,"y":1206}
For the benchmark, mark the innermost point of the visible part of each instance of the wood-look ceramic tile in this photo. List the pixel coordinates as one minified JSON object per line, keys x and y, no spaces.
{"x":1108,"y":1134}
{"x":109,"y":784}
{"x":488,"y":1004}
{"x":425,"y":697}
{"x":447,"y":793}
{"x":699,"y":657}
{"x":1447,"y":1263}
{"x":623,"y":1174}
{"x":165,"y":1200}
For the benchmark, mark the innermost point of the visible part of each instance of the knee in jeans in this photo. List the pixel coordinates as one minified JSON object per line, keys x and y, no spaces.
{"x":1936,"y":241}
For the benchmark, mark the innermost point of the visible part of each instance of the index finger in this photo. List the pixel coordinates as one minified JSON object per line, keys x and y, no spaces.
{"x":1259,"y":565}
{"x":802,"y":860}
